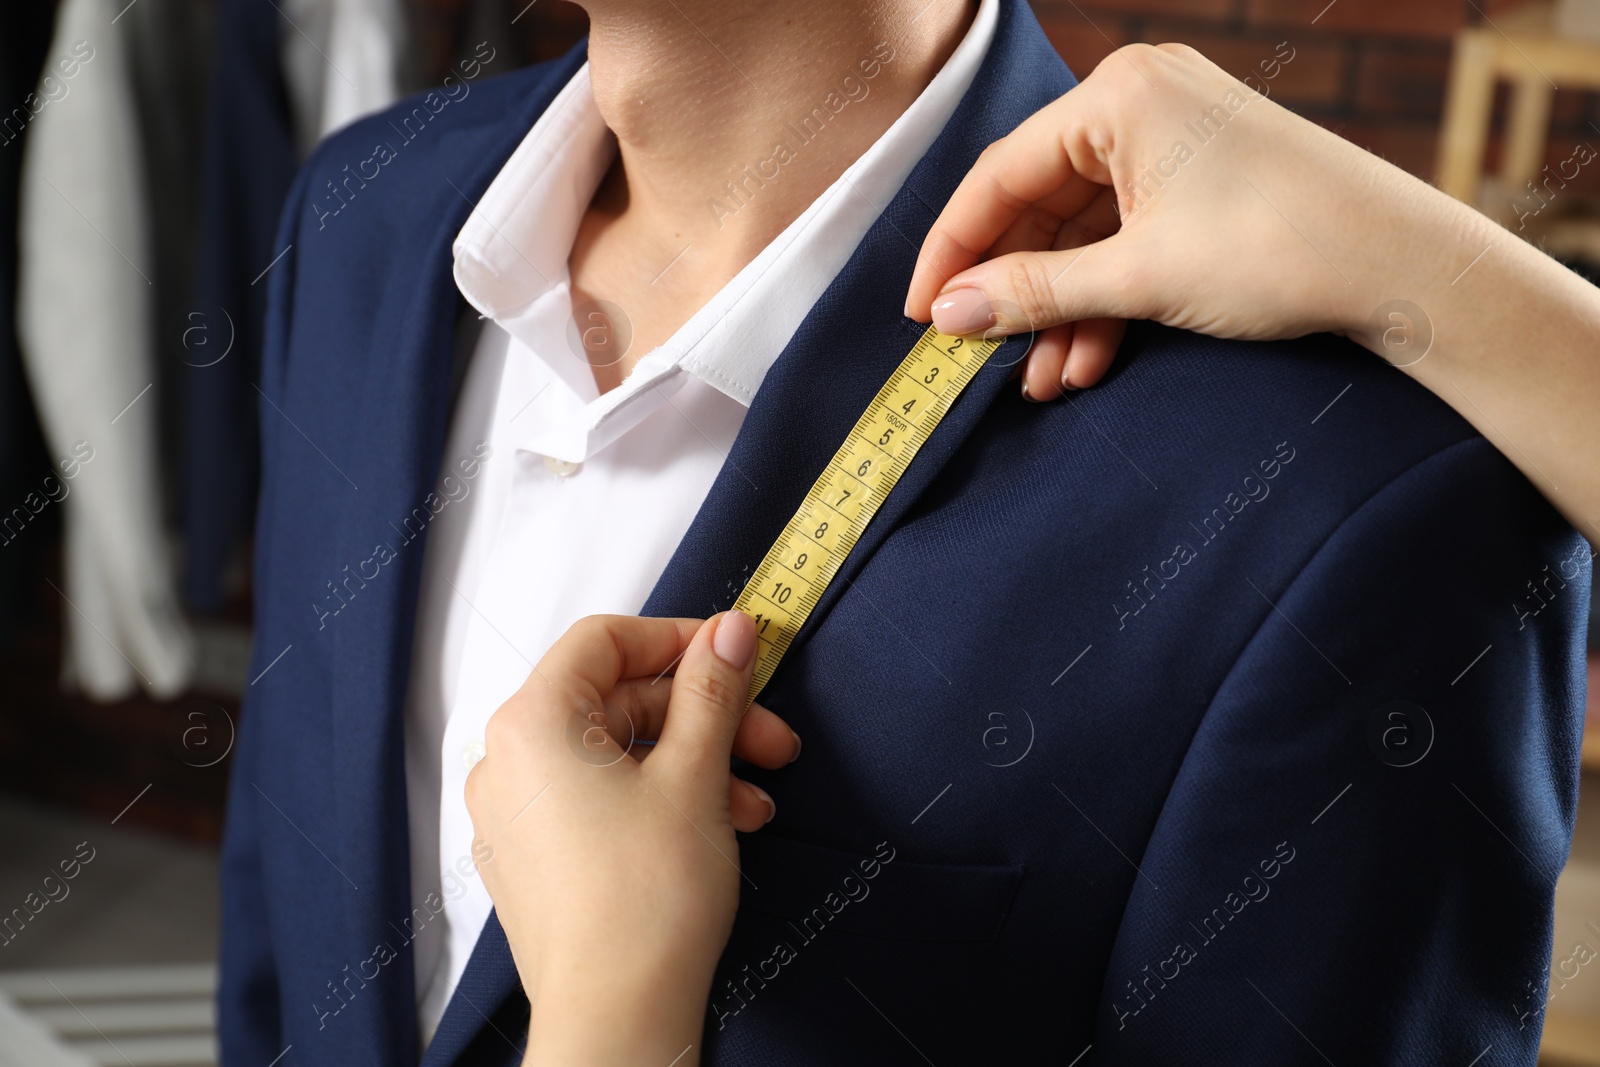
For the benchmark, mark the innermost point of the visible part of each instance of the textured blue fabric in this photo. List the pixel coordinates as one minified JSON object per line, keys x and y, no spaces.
{"x":1044,"y":747}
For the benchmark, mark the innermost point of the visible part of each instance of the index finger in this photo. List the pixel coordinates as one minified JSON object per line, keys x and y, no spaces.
{"x":1049,"y":155}
{"x":599,"y":651}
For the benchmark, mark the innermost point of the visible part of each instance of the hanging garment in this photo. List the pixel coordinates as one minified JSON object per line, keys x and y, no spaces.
{"x":169,"y":45}
{"x":302,"y":34}
{"x":249,"y":163}
{"x":343,"y":59}
{"x":369,"y":56}
{"x":84,"y":313}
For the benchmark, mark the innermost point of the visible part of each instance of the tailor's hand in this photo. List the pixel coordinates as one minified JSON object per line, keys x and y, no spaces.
{"x":1107,"y":205}
{"x":616,"y":878}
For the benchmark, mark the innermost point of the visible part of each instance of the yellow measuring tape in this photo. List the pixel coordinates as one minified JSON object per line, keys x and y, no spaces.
{"x":813,"y":546}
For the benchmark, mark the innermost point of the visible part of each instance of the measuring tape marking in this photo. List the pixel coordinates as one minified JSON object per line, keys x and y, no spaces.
{"x":809,"y":553}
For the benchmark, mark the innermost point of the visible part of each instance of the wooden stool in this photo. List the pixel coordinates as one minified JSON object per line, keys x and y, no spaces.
{"x":1520,"y":47}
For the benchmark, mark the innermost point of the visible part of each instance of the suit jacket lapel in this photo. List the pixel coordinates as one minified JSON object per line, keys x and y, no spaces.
{"x":400,"y":417}
{"x":843,"y":352}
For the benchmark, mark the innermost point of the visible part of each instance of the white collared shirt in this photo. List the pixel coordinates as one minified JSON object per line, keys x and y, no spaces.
{"x":563,"y":502}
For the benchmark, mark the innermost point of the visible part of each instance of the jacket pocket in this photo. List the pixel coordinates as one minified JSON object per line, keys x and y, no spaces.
{"x":878,"y":894}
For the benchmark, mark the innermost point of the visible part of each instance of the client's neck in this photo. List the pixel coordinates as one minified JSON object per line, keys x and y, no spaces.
{"x":733,"y":115}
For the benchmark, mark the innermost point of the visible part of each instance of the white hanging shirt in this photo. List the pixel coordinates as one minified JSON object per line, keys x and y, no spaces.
{"x":583,"y":497}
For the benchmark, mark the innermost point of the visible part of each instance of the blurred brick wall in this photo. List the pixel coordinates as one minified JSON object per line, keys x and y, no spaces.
{"x":1374,"y":71}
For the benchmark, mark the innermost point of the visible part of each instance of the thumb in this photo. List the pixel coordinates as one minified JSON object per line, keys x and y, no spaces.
{"x":710,"y":691}
{"x":1026,"y":291}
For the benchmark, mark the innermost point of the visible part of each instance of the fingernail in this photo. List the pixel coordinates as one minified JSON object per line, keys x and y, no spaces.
{"x":772,"y":807}
{"x":735,"y":639}
{"x":963,"y":311}
{"x":796,"y":747}
{"x":1025,"y":394}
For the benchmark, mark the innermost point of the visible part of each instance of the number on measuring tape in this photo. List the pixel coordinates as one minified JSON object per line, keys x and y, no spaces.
{"x":808,"y":554}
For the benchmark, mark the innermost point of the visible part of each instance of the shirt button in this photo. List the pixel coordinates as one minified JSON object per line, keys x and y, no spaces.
{"x":471,"y":754}
{"x":561,"y":468}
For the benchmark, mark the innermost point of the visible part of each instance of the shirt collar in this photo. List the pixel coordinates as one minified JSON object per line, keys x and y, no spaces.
{"x":514,"y":245}
{"x":511,"y":255}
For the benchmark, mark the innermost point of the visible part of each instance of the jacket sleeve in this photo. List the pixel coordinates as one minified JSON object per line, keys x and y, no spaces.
{"x":248,"y":1020}
{"x":1356,"y":863}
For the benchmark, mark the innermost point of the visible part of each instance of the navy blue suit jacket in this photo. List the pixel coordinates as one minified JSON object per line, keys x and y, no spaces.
{"x":1203,"y":717}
